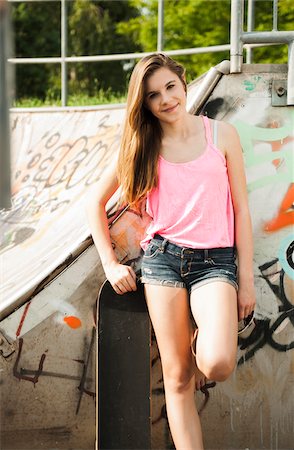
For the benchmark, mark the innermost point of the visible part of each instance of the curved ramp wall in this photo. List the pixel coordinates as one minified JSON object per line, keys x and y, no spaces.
{"x":56,"y":157}
{"x":48,"y":302}
{"x":48,"y":352}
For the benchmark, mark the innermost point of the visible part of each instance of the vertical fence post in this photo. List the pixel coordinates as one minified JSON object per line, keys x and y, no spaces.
{"x":160,"y":25}
{"x":6,"y":86}
{"x":275,"y":15}
{"x":290,"y":82}
{"x":237,"y":14}
{"x":250,"y":27}
{"x":63,"y":52}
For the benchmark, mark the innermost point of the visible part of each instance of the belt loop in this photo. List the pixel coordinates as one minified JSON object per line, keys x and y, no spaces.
{"x":163,"y":245}
{"x":205,"y":254}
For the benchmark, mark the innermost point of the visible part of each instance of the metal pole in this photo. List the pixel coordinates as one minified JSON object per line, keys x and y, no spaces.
{"x":250,"y":27}
{"x":160,"y":25}
{"x":237,"y":9}
{"x":260,"y":37}
{"x":63,"y":52}
{"x":275,"y":15}
{"x":290,"y":82}
{"x":6,"y":82}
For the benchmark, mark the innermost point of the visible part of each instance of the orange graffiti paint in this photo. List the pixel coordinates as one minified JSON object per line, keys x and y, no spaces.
{"x":72,"y":321}
{"x":285,"y":216}
{"x":277,"y":145}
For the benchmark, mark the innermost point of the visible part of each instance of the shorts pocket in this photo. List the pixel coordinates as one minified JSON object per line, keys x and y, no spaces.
{"x":151,"y":251}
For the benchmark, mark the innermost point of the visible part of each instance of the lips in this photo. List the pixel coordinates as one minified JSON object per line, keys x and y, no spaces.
{"x":170,"y":109}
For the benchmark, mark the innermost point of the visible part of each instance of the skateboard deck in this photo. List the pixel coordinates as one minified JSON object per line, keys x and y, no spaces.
{"x":124,"y":370}
{"x":124,"y":337}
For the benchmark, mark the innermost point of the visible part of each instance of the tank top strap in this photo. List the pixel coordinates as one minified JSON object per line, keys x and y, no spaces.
{"x":207,"y":129}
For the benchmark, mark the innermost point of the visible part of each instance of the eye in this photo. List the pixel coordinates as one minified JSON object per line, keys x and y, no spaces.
{"x":153,"y":95}
{"x":170,"y":86}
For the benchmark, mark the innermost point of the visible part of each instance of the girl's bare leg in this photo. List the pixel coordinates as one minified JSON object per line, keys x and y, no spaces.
{"x":200,"y":378}
{"x":214,"y":307}
{"x":170,"y":315}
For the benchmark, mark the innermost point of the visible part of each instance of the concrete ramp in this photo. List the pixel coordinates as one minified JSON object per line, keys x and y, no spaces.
{"x":53,"y":275}
{"x":47,"y":332}
{"x":56,"y":157}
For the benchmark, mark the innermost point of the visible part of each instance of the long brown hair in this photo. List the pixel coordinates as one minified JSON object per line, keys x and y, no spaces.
{"x":142,"y":133}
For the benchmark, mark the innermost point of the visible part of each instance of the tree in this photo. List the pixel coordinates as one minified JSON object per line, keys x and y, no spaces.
{"x":97,"y":27}
{"x":92,"y":30}
{"x":187,"y":23}
{"x":37,"y":34}
{"x":201,"y":23}
{"x":263,"y":11}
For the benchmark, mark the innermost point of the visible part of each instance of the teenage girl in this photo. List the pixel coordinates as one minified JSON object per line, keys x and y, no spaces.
{"x":189,"y":171}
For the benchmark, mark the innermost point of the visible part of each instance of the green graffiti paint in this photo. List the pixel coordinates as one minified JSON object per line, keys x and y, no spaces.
{"x":249,"y":134}
{"x":249,"y":85}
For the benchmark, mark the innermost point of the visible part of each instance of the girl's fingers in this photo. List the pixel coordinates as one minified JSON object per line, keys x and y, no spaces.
{"x":118,"y":289}
{"x":132,"y":280}
{"x":125,"y":285}
{"x":245,"y":312}
{"x":123,"y":279}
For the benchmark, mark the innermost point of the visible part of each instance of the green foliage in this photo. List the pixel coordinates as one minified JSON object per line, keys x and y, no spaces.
{"x":37,"y":34}
{"x":92,"y":31}
{"x":187,"y":23}
{"x":203,"y":23}
{"x":101,"y":98}
{"x":264,"y":22}
{"x":97,"y":27}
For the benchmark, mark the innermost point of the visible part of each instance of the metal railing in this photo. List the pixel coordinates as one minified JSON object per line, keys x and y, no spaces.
{"x":64,"y":59}
{"x":239,"y":38}
{"x":5,"y":93}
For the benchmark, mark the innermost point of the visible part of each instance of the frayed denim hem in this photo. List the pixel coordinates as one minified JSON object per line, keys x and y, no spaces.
{"x":154,"y":281}
{"x":212,"y":280}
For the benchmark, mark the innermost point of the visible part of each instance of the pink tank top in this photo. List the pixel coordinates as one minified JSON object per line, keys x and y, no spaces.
{"x":192,"y":204}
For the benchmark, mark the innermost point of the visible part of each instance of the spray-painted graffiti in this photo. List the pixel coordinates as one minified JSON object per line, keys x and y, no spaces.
{"x":34,"y":375}
{"x":269,"y":151}
{"x":47,"y":172}
{"x":267,"y":331}
{"x":56,"y":157}
{"x":268,"y":145}
{"x":268,"y":154}
{"x":54,"y":180}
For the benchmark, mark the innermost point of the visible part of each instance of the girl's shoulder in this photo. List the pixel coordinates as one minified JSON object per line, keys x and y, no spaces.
{"x":223,"y":126}
{"x":227,"y":135}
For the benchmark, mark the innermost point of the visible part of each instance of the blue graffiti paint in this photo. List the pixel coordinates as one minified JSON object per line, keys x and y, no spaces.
{"x":285,"y":255}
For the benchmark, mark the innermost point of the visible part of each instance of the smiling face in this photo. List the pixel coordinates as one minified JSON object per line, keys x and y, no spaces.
{"x":165,"y":95}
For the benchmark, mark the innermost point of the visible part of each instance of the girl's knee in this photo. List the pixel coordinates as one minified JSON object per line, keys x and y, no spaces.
{"x":217,"y":369}
{"x":178,"y":379}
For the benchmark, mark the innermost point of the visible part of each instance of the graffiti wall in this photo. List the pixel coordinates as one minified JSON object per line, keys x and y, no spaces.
{"x":254,"y":408}
{"x":48,"y":345}
{"x":56,"y":157}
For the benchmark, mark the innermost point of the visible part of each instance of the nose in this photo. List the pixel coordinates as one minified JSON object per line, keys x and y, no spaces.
{"x":165,"y":97}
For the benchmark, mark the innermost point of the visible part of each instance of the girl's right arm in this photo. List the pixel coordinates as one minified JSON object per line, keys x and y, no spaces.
{"x":121,"y":277}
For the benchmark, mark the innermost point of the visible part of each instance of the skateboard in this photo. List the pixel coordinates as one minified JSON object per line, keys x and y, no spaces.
{"x":124,"y":370}
{"x":124,"y":336}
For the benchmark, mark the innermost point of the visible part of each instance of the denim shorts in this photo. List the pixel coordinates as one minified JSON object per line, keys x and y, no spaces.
{"x":167,"y":264}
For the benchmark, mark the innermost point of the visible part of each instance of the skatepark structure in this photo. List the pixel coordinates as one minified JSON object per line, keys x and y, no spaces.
{"x":52,"y":275}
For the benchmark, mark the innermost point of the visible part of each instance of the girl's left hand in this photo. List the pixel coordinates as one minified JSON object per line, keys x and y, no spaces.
{"x":246,"y":300}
